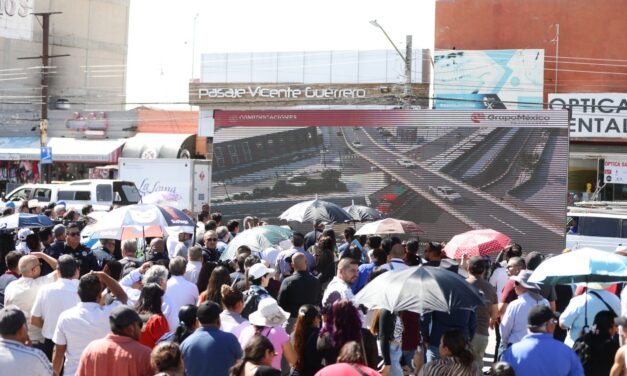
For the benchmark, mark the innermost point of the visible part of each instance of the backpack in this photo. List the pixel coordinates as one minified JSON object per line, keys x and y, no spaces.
{"x":252,"y":296}
{"x":583,"y":349}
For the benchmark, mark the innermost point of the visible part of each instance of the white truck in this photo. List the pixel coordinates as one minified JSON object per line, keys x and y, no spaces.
{"x":186,"y":181}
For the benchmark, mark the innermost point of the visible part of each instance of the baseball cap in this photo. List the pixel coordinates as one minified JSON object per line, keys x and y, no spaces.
{"x":259,"y":270}
{"x":123,"y":316}
{"x":23,"y":233}
{"x":540,"y":315}
{"x":33,"y":203}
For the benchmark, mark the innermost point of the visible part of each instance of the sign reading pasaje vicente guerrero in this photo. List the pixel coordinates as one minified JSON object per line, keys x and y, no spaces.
{"x":260,"y":94}
{"x":594,"y":115}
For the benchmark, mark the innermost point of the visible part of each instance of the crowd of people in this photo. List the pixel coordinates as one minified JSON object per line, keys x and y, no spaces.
{"x":177,"y":307}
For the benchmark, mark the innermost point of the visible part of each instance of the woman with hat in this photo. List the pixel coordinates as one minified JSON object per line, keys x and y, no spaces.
{"x":268,"y":321}
{"x":259,"y":277}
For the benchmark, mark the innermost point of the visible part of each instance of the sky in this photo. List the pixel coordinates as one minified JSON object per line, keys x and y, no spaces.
{"x":161,"y":35}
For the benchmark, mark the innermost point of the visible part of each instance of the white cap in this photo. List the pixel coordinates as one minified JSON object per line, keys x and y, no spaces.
{"x":33,"y":203}
{"x":259,"y":270}
{"x":23,"y":233}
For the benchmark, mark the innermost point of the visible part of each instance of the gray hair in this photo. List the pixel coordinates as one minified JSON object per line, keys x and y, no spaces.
{"x":178,"y":265}
{"x":155,"y":274}
{"x":58,"y":230}
{"x":129,"y":245}
{"x":222,"y":231}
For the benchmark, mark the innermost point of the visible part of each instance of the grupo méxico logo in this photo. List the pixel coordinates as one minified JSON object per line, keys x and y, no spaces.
{"x":477,"y":117}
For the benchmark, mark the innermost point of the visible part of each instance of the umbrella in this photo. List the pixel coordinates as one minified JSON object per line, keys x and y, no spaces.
{"x":22,"y":220}
{"x":581,"y":265}
{"x":140,"y":221}
{"x":419,"y":289}
{"x":257,"y":239}
{"x":316,"y":210}
{"x":360,"y":213}
{"x":390,"y":226}
{"x":476,"y":243}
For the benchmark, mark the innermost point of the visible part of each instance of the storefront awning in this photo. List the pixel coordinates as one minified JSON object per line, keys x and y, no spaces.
{"x":159,"y":145}
{"x":63,"y":149}
{"x":595,"y":151}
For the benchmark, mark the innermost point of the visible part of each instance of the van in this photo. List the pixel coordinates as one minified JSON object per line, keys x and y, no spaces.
{"x":44,"y":193}
{"x":100,"y":193}
{"x":600,"y":225}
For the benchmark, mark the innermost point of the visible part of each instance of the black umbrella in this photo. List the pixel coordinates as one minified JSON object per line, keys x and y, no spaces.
{"x":360,"y":213}
{"x":315,"y":211}
{"x":419,"y":289}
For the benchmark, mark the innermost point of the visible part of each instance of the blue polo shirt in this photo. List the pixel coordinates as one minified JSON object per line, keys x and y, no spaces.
{"x":538,"y":354}
{"x":210,"y":351}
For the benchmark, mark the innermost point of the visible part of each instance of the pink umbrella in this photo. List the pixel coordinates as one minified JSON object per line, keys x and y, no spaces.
{"x":390,"y":226}
{"x":476,"y":243}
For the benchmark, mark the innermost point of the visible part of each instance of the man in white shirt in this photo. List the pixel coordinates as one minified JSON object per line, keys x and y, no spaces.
{"x":395,"y":258}
{"x":340,"y":285}
{"x":85,"y":322}
{"x":181,"y":247}
{"x":22,"y":293}
{"x":179,"y":291}
{"x":16,"y":357}
{"x":194,"y":264}
{"x":55,"y":298}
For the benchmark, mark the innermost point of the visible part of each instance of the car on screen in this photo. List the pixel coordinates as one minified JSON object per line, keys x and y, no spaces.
{"x":357,"y":144}
{"x":446,"y":193}
{"x":407,"y":163}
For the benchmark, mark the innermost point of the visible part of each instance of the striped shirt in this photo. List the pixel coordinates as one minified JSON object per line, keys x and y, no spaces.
{"x":450,"y":366}
{"x":18,"y":359}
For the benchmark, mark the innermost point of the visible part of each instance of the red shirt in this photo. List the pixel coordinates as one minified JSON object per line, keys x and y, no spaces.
{"x":509,"y":294}
{"x":115,"y":355}
{"x":154,"y":329}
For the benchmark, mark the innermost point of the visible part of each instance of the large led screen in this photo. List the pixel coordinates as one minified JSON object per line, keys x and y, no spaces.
{"x":447,"y":171}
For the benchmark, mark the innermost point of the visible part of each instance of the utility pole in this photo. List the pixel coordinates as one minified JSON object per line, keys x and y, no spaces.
{"x":43,"y":123}
{"x":408,"y":58}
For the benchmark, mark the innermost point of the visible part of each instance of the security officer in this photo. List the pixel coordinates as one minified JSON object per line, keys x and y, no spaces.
{"x":83,"y":255}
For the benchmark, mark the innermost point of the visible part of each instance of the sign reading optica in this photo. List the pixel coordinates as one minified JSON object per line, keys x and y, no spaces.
{"x":594,"y":114}
{"x":615,"y":171}
{"x":15,"y":19}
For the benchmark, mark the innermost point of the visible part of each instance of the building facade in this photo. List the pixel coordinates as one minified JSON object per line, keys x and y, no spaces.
{"x":582,"y":54}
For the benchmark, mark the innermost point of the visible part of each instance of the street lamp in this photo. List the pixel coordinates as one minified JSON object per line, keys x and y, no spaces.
{"x":406,"y":59}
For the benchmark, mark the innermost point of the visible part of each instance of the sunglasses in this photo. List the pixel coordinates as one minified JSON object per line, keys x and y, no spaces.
{"x":73,"y":233}
{"x":212,"y":239}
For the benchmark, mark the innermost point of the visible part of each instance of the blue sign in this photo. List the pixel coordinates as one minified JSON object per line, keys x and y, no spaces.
{"x":45,"y":155}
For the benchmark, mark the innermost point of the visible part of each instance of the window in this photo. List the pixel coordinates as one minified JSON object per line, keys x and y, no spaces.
{"x":599,"y":227}
{"x":624,"y":226}
{"x":22,"y":194}
{"x":42,"y":194}
{"x":82,"y":196}
{"x":218,"y":156}
{"x":104,"y":193}
{"x":126,"y":193}
{"x":233,"y":154}
{"x":247,"y":155}
{"x":65,"y":195}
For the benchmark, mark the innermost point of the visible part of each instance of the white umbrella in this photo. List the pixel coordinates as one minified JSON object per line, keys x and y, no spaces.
{"x":390,"y":226}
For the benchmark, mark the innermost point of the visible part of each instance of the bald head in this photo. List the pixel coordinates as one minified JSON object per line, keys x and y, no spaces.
{"x":299,"y":262}
{"x":27,"y":266}
{"x":397,"y":251}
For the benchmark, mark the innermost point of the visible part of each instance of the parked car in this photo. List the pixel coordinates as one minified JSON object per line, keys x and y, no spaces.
{"x":407,"y":163}
{"x":44,"y":193}
{"x":446,"y":193}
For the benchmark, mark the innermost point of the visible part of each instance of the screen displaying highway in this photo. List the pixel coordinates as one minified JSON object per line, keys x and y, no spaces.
{"x":448,"y":177}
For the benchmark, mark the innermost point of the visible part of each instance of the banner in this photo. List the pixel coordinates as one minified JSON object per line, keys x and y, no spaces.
{"x":491,"y":79}
{"x":16,"y":22}
{"x":600,"y":115}
{"x":615,"y":171}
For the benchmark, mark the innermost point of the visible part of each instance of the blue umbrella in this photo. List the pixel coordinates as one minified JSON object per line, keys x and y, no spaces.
{"x":257,"y":239}
{"x":582,"y":265}
{"x":22,"y":220}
